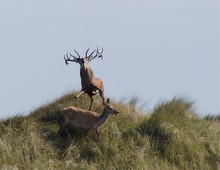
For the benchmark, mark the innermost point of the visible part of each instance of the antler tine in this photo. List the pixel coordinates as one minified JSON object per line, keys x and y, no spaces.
{"x":66,"y":61}
{"x":102,"y":50}
{"x":74,"y":57}
{"x":87,"y":52}
{"x":66,"y":58}
{"x":77,"y":53}
{"x":98,"y":54}
{"x":90,"y":55}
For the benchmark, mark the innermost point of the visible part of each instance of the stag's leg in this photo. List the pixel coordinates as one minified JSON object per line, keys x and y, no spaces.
{"x":81,"y":92}
{"x":91,"y":103}
{"x":101,"y":93}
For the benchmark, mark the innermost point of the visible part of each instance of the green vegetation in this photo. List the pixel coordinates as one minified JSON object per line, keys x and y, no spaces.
{"x":171,"y":137}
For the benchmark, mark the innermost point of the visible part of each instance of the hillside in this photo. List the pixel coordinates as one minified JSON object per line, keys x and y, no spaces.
{"x":171,"y":137}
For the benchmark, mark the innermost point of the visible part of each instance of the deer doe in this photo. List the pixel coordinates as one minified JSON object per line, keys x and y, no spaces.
{"x":85,"y":119}
{"x":90,"y":84}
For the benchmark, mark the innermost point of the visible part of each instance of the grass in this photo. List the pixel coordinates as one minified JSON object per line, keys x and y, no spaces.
{"x":171,"y":137}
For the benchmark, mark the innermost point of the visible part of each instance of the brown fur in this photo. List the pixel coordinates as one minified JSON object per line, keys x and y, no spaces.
{"x":79,"y":117}
{"x":90,"y":84}
{"x":85,"y":119}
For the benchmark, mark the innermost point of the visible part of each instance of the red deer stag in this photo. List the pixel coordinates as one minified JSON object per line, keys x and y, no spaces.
{"x":90,"y":84}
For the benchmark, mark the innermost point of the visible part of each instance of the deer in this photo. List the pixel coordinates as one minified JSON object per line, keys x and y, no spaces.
{"x":90,"y":85}
{"x":88,"y":120}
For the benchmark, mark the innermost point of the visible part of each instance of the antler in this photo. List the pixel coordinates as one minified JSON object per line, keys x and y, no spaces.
{"x":67,"y":59}
{"x":98,"y":54}
{"x":89,"y":54}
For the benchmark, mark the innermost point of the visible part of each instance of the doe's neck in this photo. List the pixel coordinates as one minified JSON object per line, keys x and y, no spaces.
{"x":102,"y":119}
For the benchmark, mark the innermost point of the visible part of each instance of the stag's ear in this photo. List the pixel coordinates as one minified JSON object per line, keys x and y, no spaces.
{"x":108,"y":100}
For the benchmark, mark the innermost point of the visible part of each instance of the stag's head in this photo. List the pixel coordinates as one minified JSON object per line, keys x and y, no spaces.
{"x":83,"y":60}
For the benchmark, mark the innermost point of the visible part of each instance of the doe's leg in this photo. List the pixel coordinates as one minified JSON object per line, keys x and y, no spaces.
{"x":91,"y":103}
{"x":97,"y":132}
{"x":85,"y":131}
{"x":63,"y":132}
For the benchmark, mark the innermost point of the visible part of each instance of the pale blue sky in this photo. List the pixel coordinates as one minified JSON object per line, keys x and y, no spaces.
{"x":153,"y":49}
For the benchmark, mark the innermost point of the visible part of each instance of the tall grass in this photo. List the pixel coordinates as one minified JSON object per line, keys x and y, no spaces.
{"x":171,"y":137}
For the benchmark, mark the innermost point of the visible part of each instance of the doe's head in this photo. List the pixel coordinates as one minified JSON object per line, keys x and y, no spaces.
{"x":110,"y":108}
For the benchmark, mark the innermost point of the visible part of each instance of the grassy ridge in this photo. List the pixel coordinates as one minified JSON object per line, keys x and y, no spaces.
{"x":171,"y":137}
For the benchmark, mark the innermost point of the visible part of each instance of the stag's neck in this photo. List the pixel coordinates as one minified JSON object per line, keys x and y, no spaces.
{"x":86,"y":72}
{"x":85,"y":66}
{"x":102,"y":119}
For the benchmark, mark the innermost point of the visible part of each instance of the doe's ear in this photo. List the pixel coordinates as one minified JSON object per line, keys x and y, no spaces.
{"x":108,"y":100}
